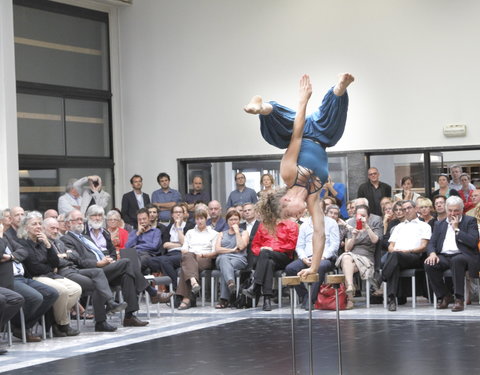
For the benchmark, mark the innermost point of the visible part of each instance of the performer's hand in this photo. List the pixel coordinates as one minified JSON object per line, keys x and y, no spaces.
{"x":432,"y":259}
{"x":305,"y":91}
{"x":305,"y":272}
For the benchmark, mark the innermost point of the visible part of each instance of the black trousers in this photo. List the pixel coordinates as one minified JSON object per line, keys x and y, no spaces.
{"x":121,"y":273}
{"x":458,"y":263}
{"x":394,"y":263}
{"x":10,"y":304}
{"x":168,"y":264}
{"x":95,"y":283}
{"x":267,"y":263}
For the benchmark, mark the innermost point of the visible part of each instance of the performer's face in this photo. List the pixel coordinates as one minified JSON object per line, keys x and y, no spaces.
{"x":293,"y":207}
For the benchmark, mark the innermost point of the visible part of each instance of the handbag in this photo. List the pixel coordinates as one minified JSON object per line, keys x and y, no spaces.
{"x":326,"y":297}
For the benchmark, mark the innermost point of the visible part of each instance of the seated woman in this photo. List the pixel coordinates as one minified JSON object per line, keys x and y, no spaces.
{"x":425,"y":210}
{"x":232,"y":249}
{"x":406,"y":194}
{"x":466,"y":192}
{"x":173,"y":238}
{"x":444,"y":189}
{"x":304,"y":165}
{"x":118,"y":235}
{"x":388,"y":215}
{"x":273,"y":252}
{"x":359,"y":250}
{"x":40,"y":260}
{"x":198,"y":250}
{"x":333,"y":211}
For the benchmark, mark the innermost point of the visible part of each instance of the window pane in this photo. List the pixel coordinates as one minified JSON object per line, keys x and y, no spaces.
{"x":40,"y":188}
{"x":40,"y":126}
{"x":59,"y":49}
{"x":87,"y":128}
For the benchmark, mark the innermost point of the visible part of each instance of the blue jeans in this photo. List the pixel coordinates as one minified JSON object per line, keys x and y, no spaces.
{"x":228,"y":264}
{"x":38,"y":299}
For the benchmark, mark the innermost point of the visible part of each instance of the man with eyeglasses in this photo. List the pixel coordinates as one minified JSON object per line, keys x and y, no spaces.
{"x":439,"y":205}
{"x":374,"y":190}
{"x":242,"y":194}
{"x":408,"y":242}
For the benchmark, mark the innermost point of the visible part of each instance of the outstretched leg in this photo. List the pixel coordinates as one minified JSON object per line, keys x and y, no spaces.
{"x":256,"y":106}
{"x":344,"y":80}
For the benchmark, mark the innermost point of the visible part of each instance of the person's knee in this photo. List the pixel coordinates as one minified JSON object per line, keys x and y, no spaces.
{"x":265,"y":254}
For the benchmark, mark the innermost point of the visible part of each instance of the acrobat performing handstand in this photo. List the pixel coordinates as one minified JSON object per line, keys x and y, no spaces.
{"x":304,"y":166}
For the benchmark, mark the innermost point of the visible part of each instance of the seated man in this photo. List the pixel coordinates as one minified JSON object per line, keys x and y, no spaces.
{"x":94,"y":229}
{"x":10,"y":304}
{"x":153,"y":217}
{"x":165,"y":198}
{"x":439,"y":205}
{"x":251,"y":225}
{"x":216,"y":221}
{"x":454,"y":245}
{"x":10,"y":235}
{"x":93,"y":194}
{"x":119,"y":272}
{"x":147,"y":240}
{"x":304,"y":252}
{"x":408,"y":242}
{"x":274,"y":252}
{"x":92,"y":280}
{"x":50,"y":213}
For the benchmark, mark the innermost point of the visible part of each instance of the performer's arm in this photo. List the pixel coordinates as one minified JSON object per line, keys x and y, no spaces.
{"x":288,"y":166}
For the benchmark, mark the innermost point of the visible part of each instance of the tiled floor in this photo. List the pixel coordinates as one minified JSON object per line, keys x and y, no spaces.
{"x":172,"y":336}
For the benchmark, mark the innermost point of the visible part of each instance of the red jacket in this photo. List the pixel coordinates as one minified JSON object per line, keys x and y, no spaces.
{"x":284,"y":241}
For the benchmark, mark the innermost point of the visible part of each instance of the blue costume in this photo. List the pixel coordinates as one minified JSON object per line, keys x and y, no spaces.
{"x":323,"y":128}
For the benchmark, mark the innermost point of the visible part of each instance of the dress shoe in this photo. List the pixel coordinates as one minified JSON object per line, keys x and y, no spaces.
{"x":69,"y":331}
{"x":161,"y":297}
{"x":458,"y":306}
{"x":104,"y":327}
{"x":402,"y":300}
{"x":445,"y":301}
{"x":3,"y":347}
{"x":267,"y":304}
{"x":17,"y":332}
{"x":134,"y":322}
{"x":392,"y":304}
{"x":114,"y":307}
{"x":57,"y":332}
{"x":249,"y":292}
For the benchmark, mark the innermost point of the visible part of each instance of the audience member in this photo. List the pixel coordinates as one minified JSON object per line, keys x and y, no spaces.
{"x":70,"y":200}
{"x":198,"y":251}
{"x":268,"y":185}
{"x":216,"y":221}
{"x":476,"y":201}
{"x":351,"y":208}
{"x":92,"y":194}
{"x":440,"y":210}
{"x":134,"y":200}
{"x":50,"y":213}
{"x":274,"y":252}
{"x":92,"y":280}
{"x":338,"y":191}
{"x":333,"y":212}
{"x":119,"y":272}
{"x":165,"y":198}
{"x":40,"y":260}
{"x":455,"y":183}
{"x":38,"y":297}
{"x":466,"y":192}
{"x":153,"y":217}
{"x":359,"y":249}
{"x":5,"y":219}
{"x":454,"y":245}
{"x":242,"y":194}
{"x":146,"y":240}
{"x":173,"y":238}
{"x":408,"y":242}
{"x":16,"y":216}
{"x":94,"y":228}
{"x":10,"y":304}
{"x":304,"y":252}
{"x":231,"y":247}
{"x":197,"y":194}
{"x":444,"y":189}
{"x":425,"y":211}
{"x":118,"y":235}
{"x":61,"y":224}
{"x":388,"y":215}
{"x":407,"y":194}
{"x":250,"y":224}
{"x":374,"y":190}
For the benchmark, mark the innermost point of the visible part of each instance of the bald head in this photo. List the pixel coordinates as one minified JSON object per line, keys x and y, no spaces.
{"x":50,"y":213}
{"x":16,"y":215}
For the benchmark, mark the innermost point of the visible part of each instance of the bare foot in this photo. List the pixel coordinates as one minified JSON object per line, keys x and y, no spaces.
{"x":344,"y":80}
{"x":256,"y":106}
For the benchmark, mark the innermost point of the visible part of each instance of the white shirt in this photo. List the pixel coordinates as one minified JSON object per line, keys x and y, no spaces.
{"x":250,"y":225}
{"x":408,"y":235}
{"x":450,"y":242}
{"x":332,"y":239}
{"x":200,"y":242}
{"x":66,"y":203}
{"x":139,"y":199}
{"x":174,"y":235}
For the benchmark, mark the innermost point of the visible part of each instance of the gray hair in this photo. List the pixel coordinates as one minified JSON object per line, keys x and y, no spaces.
{"x":453,"y":200}
{"x":70,"y":185}
{"x":363,"y":200}
{"x":95,"y":210}
{"x":332,"y":207}
{"x":113,"y":213}
{"x":409,"y":201}
{"x":22,"y":229}
{"x":69,"y":214}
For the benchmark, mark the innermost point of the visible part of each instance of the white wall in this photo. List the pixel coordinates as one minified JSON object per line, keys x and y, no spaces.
{"x":188,"y":67}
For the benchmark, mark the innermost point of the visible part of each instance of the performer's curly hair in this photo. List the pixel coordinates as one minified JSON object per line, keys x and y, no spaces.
{"x":269,"y":208}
